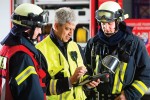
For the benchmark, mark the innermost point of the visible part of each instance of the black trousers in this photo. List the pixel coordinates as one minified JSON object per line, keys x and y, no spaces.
{"x":92,"y":95}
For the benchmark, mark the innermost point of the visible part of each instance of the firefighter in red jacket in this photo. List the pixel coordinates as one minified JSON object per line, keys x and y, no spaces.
{"x":117,"y":51}
{"x":26,"y":69}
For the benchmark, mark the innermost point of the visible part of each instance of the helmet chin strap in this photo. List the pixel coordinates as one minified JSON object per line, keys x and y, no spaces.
{"x":117,"y":26}
{"x":34,"y":41}
{"x":30,"y":34}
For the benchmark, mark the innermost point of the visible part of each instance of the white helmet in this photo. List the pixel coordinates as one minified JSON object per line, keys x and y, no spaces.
{"x":110,"y":11}
{"x":29,"y":15}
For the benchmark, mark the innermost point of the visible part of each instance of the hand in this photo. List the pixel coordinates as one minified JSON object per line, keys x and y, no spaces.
{"x":80,"y":71}
{"x":93,"y":83}
{"x":121,"y":96}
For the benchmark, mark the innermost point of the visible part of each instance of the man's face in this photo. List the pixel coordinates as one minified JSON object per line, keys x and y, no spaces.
{"x":37,"y":31}
{"x":64,"y":32}
{"x":108,"y":28}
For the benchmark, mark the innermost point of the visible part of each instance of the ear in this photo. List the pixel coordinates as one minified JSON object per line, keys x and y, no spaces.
{"x":56,"y":26}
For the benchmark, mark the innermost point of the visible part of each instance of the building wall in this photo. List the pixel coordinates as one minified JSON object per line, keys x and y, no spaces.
{"x":5,"y":15}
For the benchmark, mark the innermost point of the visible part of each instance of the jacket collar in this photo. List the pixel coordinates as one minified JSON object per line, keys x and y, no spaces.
{"x":113,"y":40}
{"x":12,"y":40}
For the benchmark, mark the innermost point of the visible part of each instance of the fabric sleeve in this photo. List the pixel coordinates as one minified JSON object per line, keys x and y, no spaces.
{"x":58,"y":86}
{"x":141,"y":81}
{"x":54,"y":86}
{"x":24,"y":81}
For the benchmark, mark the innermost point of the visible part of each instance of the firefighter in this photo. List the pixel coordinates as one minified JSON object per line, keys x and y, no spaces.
{"x":65,"y":64}
{"x":115,"y":50}
{"x":25,"y":67}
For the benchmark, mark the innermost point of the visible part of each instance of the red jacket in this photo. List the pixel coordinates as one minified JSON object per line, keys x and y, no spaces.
{"x":6,"y":93}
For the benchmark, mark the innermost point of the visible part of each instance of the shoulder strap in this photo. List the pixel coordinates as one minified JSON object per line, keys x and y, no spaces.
{"x":127,"y":47}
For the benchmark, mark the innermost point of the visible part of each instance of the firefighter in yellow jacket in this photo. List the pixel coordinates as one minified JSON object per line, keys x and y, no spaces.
{"x":65,"y":64}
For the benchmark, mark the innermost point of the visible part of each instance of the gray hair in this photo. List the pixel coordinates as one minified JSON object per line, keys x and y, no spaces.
{"x":64,"y":15}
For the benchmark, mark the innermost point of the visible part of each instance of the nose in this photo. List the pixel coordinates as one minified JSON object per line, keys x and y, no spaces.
{"x":106,"y":28}
{"x":71,"y":32}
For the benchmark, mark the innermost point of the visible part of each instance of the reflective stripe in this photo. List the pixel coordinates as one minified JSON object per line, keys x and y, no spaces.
{"x":140,"y":86}
{"x":97,"y":63}
{"x":117,"y":83}
{"x":122,"y":73}
{"x":25,"y":74}
{"x":61,"y":97}
{"x":3,"y":89}
{"x":3,"y":62}
{"x":53,"y":87}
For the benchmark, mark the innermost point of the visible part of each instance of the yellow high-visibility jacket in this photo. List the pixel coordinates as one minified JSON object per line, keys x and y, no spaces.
{"x":60,"y":68}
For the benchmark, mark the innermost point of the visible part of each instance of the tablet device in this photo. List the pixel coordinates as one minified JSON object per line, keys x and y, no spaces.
{"x":93,"y":78}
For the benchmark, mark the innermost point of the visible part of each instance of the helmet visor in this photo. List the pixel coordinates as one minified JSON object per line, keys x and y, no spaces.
{"x":42,"y":19}
{"x":104,"y":16}
{"x":44,"y":15}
